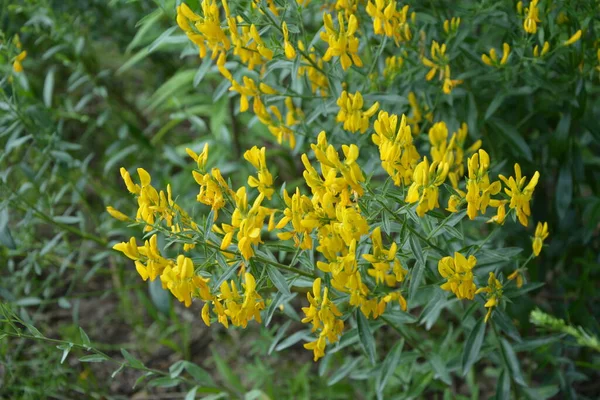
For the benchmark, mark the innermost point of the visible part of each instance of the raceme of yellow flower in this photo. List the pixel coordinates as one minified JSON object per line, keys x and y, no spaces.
{"x":493,"y":294}
{"x":342,"y":42}
{"x":451,"y":25}
{"x":398,"y":154}
{"x":182,"y":281}
{"x":439,"y":64}
{"x":532,"y":17}
{"x":264,"y":182}
{"x":479,"y":188}
{"x":351,"y":112}
{"x":388,"y":20}
{"x":424,"y":189}
{"x":382,"y":261}
{"x":492,"y":59}
{"x":541,"y":233}
{"x":520,"y":194}
{"x":458,"y":271}
{"x":205,"y":31}
{"x":323,"y":315}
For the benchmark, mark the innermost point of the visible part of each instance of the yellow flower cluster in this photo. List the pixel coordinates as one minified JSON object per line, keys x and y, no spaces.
{"x":351,"y":112}
{"x":388,"y":20}
{"x":357,"y":266}
{"x":439,"y":64}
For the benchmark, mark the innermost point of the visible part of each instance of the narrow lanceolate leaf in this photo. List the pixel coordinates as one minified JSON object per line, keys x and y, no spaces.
{"x":366,"y":336}
{"x":503,"y":386}
{"x":49,"y":87}
{"x":93,"y":358}
{"x":473,"y":346}
{"x":513,"y":363}
{"x":278,"y":280}
{"x":389,"y":366}
{"x":85,"y":340}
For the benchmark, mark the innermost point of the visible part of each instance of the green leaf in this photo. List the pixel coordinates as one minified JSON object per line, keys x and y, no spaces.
{"x":416,"y":275}
{"x":226,"y":372}
{"x":164,"y":382}
{"x":514,"y":139}
{"x":343,"y":371}
{"x":85,"y":340}
{"x":202,"y":70}
{"x":278,"y":280}
{"x":161,"y":39}
{"x":494,"y":105}
{"x":473,"y":346}
{"x":66,"y":348}
{"x":134,"y":362}
{"x":366,"y":336}
{"x":564,"y":191}
{"x":93,"y":358}
{"x":176,"y":368}
{"x":513,"y":363}
{"x":199,"y":374}
{"x":440,"y":368}
{"x":28,"y":301}
{"x":191,"y":395}
{"x":389,"y":366}
{"x":503,"y":386}
{"x":49,"y":87}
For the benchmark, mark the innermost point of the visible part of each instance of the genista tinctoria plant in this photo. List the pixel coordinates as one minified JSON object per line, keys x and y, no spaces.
{"x":398,"y":208}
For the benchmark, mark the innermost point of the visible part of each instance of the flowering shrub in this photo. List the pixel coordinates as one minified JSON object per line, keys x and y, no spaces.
{"x":369,"y":240}
{"x":424,"y":142}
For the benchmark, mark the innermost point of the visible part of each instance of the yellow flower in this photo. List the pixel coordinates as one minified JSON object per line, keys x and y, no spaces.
{"x":459,"y":275}
{"x":438,"y":60}
{"x":532,"y":18}
{"x":239,"y":308}
{"x":248,"y":90}
{"x":494,"y":293}
{"x":545,"y":49}
{"x":323,"y":315}
{"x":393,"y":65}
{"x":342,"y":42}
{"x":17,"y":63}
{"x":117,"y":214}
{"x":520,"y":195}
{"x":264,"y":183}
{"x":247,"y":222}
{"x":516,"y":274}
{"x":389,"y":21}
{"x":492,"y":59}
{"x":541,"y":233}
{"x":380,"y":260}
{"x":451,"y":26}
{"x":500,"y":211}
{"x":148,"y":254}
{"x":351,"y":113}
{"x":205,"y":31}
{"x":398,"y":154}
{"x":424,"y":189}
{"x":289,"y":50}
{"x":573,"y":38}
{"x":183,"y":283}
